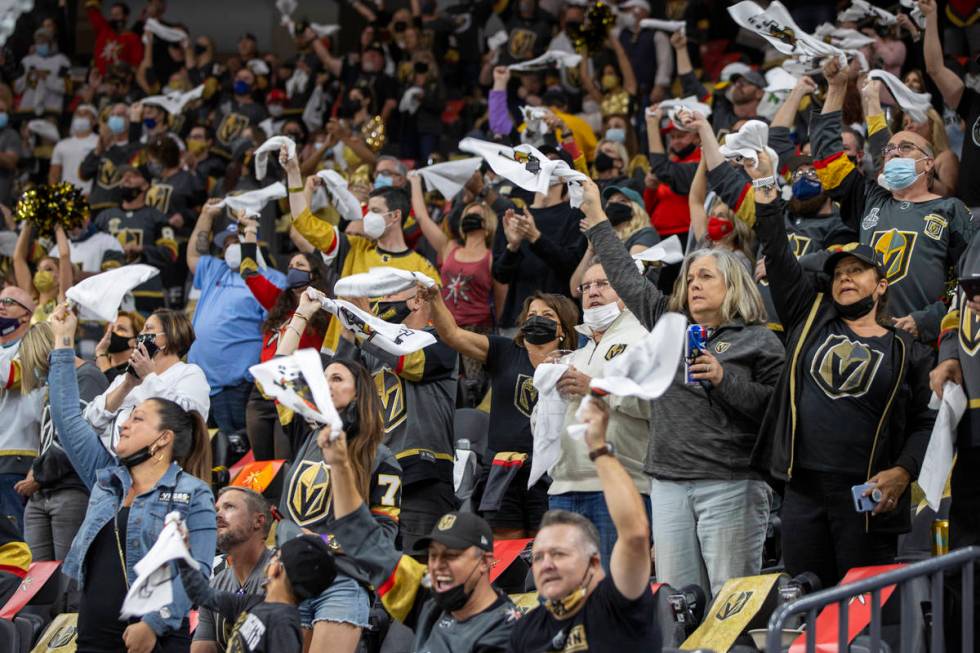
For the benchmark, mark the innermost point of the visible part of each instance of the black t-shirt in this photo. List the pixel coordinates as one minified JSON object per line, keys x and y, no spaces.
{"x":969,"y":110}
{"x":264,"y":628}
{"x":99,"y":627}
{"x":846,"y":382}
{"x":609,"y":622}
{"x":512,"y":397}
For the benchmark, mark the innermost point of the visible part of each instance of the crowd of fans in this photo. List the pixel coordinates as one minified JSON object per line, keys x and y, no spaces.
{"x":828,"y":238}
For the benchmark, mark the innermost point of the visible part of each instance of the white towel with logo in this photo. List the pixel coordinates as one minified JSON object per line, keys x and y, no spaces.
{"x":664,"y":25}
{"x":396,"y":339}
{"x":380,"y":282}
{"x":153,"y":587}
{"x":296,"y":381}
{"x":449,"y":178}
{"x":511,"y":163}
{"x":938,"y":461}
{"x":776,"y":26}
{"x":272,"y":145}
{"x":169,"y":34}
{"x":174,"y":103}
{"x":917,"y":105}
{"x":550,"y":59}
{"x":748,"y":141}
{"x":103,"y":293}
{"x":546,"y":420}
{"x":254,"y":201}
{"x":843,"y":37}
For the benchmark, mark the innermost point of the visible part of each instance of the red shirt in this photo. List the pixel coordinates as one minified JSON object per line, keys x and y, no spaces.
{"x":266,"y":293}
{"x":110,"y":47}
{"x":669,"y":212}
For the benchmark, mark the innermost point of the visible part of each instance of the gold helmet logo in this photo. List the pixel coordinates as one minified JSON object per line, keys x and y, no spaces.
{"x":446,"y":522}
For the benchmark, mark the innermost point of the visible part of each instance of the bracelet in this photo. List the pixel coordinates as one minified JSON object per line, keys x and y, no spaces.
{"x":301,"y":316}
{"x":296,"y":331}
{"x":296,"y":189}
{"x":764,"y":182}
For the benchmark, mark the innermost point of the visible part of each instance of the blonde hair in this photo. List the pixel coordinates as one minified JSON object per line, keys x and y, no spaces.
{"x":489,"y":223}
{"x":639,"y":220}
{"x":742,"y":300}
{"x":621,"y":152}
{"x":35,"y":347}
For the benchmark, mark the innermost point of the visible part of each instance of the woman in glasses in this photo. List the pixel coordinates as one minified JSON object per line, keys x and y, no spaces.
{"x":113,"y":352}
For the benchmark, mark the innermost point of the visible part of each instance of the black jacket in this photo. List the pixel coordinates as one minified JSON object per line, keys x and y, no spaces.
{"x":906,"y":425}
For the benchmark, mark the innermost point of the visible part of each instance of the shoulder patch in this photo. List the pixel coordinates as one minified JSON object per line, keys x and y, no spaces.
{"x":614,"y":351}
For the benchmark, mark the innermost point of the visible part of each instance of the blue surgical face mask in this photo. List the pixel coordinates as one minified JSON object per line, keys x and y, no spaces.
{"x":383,"y":181}
{"x":616,"y":135}
{"x":241,"y":87}
{"x":116,"y":124}
{"x":899,"y":173}
{"x":4,"y":119}
{"x":805,"y":188}
{"x":150,"y":123}
{"x":42,"y":49}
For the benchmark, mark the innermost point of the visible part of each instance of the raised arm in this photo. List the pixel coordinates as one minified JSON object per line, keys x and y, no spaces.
{"x":695,"y":201}
{"x":949,"y":83}
{"x":200,"y":239}
{"x":432,"y":232}
{"x":289,"y":340}
{"x":472,"y":345}
{"x":66,"y":272}
{"x":786,"y":113}
{"x":625,"y":67}
{"x":22,"y":269}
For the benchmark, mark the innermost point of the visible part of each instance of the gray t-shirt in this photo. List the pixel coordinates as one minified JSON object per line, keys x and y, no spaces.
{"x":211,"y":626}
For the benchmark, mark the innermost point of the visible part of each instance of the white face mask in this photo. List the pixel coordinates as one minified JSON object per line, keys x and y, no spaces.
{"x":374,"y":225}
{"x":233,"y":256}
{"x":598,"y":318}
{"x":80,"y":125}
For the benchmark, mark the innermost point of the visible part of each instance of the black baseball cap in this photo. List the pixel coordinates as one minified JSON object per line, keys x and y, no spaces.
{"x":459,"y":530}
{"x":753,"y":77}
{"x":310,"y":567}
{"x":551,"y":150}
{"x":863,"y":253}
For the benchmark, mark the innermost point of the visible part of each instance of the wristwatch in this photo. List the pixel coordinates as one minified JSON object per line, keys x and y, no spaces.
{"x":605,"y":450}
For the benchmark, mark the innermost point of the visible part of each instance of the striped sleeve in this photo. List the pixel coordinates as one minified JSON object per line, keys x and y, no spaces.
{"x":320,"y":233}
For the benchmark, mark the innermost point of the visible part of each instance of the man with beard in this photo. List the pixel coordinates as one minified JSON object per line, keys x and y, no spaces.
{"x":243,"y":520}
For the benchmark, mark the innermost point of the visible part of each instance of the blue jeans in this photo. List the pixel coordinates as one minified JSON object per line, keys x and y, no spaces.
{"x":593,"y":506}
{"x":709,"y":531}
{"x":228,"y":407}
{"x":345,"y":601}
{"x":11,"y":503}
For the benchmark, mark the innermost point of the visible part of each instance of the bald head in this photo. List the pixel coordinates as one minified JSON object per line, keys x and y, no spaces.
{"x":906,"y":136}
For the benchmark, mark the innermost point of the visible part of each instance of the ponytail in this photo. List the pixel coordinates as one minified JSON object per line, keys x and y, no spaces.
{"x":192,"y":445}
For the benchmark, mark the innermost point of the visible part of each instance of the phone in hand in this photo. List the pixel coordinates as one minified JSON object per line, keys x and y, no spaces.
{"x":864,"y":503}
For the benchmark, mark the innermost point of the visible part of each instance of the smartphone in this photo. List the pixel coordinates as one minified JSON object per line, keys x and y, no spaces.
{"x":865,"y":503}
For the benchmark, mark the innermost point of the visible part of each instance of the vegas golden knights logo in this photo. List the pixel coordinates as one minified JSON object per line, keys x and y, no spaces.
{"x":844,"y":368}
{"x":159,"y":197}
{"x":614,"y":351}
{"x":525,"y":394}
{"x":231,"y":127}
{"x":107,"y":174}
{"x":446,"y":522}
{"x":735,"y":604}
{"x":969,"y":330}
{"x":309,"y":495}
{"x":522,"y":43}
{"x":935,"y":224}
{"x":799,"y":244}
{"x":896,"y":249}
{"x":391,"y":390}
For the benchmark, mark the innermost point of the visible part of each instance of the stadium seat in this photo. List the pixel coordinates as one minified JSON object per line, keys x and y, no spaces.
{"x":9,"y":637}
{"x":473,"y":425}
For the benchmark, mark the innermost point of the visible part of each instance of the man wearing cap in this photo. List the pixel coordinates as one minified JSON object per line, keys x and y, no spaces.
{"x":450,"y":603}
{"x":852,"y":408}
{"x":114,"y":150}
{"x":20,"y":429}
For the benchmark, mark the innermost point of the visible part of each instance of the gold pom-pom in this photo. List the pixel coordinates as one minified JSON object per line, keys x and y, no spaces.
{"x":49,"y":205}
{"x":591,"y":37}
{"x":374,"y":133}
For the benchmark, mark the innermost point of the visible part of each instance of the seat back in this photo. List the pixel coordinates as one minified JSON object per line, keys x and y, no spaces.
{"x":473,"y":425}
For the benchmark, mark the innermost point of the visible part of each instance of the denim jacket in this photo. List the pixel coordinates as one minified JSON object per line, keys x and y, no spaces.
{"x":110,"y":482}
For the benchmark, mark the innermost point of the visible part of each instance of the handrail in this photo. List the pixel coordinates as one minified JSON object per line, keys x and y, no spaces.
{"x":965,"y":558}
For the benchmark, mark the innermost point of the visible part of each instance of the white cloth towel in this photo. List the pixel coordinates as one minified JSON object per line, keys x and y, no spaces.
{"x":550,"y":59}
{"x":534,"y":118}
{"x":348,"y":206}
{"x":271,"y":145}
{"x":748,"y":141}
{"x":776,"y":26}
{"x":158,"y":29}
{"x":664,"y":25}
{"x":546,"y":420}
{"x":297,"y":382}
{"x":380,"y":282}
{"x":396,"y":339}
{"x":843,"y":37}
{"x":449,"y":178}
{"x":779,"y":80}
{"x":322,"y":30}
{"x":254,"y":201}
{"x":667,"y":251}
{"x":554,"y":171}
{"x":496,"y":40}
{"x":44,"y":129}
{"x":286,"y":9}
{"x":153,"y":587}
{"x":103,"y":293}
{"x":860,"y":10}
{"x":174,"y":103}
{"x":938,"y":461}
{"x":676,"y":106}
{"x":647,"y":368}
{"x":258,"y":67}
{"x":915,"y":104}
{"x":411,"y":100}
{"x":916,"y":14}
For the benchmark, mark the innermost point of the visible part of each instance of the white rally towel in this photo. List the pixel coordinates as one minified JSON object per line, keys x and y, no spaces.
{"x":449,"y":178}
{"x":843,"y":37}
{"x":103,"y":293}
{"x":380,"y":282}
{"x":153,"y":587}
{"x":272,"y":145}
{"x":546,"y":420}
{"x":748,"y":141}
{"x":550,"y":59}
{"x":938,"y":460}
{"x":534,"y":118}
{"x":44,"y":129}
{"x":169,"y":34}
{"x":297,"y":382}
{"x":776,"y":26}
{"x":411,"y":100}
{"x":348,"y":206}
{"x":916,"y":14}
{"x":915,"y":104}
{"x":668,"y":251}
{"x":860,"y":9}
{"x":258,"y":67}
{"x":174,"y":103}
{"x":556,"y":171}
{"x":286,"y":9}
{"x":779,"y":80}
{"x":254,"y":201}
{"x":396,"y":339}
{"x":512,"y":164}
{"x":496,"y":40}
{"x":676,"y":107}
{"x":322,"y":30}
{"x":647,"y":368}
{"x":664,"y":25}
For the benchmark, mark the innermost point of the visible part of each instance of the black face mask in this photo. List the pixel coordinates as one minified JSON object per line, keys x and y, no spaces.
{"x":454,"y":598}
{"x":134,"y":459}
{"x":394,"y":312}
{"x":129,"y":193}
{"x":539,"y":330}
{"x":118,"y":343}
{"x":348,"y":415}
{"x":348,"y":108}
{"x":200,"y":49}
{"x":117,"y":25}
{"x":573,"y":27}
{"x":685,"y":152}
{"x":603,"y":162}
{"x":618,"y":213}
{"x":470,"y":222}
{"x":857,"y":310}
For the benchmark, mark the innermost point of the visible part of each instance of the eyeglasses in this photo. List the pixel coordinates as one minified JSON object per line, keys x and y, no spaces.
{"x":598,"y":284}
{"x":809,"y":173}
{"x":903,"y":149}
{"x":10,"y":301}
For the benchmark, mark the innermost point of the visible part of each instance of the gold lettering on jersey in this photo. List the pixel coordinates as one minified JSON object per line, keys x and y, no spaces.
{"x":522,"y":43}
{"x":231,"y":127}
{"x":844,"y":368}
{"x":576,"y":640}
{"x":969,"y":330}
{"x":309,"y":496}
{"x":934,"y":226}
{"x":391,"y":390}
{"x":614,"y":351}
{"x":525,"y":394}
{"x":799,"y":244}
{"x":159,"y":197}
{"x":896,"y":249}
